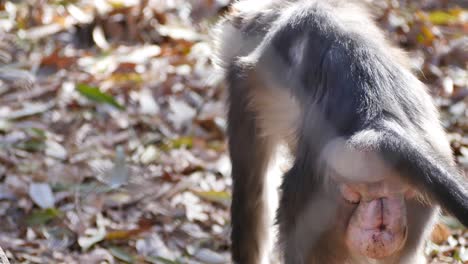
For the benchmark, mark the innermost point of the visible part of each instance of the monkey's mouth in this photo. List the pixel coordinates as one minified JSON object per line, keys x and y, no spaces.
{"x":377,"y":227}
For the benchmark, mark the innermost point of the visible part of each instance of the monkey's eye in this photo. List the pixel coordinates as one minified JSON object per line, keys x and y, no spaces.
{"x":349,"y":194}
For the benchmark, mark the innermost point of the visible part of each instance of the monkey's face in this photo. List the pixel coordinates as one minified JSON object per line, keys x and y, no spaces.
{"x":377,"y":227}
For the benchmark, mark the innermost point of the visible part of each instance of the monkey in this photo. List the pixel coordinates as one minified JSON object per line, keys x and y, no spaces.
{"x":370,"y":164}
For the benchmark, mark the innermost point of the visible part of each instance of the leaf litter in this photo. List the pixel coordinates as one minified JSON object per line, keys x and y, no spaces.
{"x":112,"y":126}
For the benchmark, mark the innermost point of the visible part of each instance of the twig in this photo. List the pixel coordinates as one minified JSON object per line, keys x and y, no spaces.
{"x":3,"y":257}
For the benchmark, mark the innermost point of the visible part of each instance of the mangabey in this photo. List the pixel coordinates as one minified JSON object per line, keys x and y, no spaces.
{"x":370,"y":160}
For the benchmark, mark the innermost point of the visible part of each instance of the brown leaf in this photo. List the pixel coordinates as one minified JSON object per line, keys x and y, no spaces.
{"x":440,"y":233}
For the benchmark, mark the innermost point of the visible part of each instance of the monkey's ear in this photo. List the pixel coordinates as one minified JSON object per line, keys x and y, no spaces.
{"x":440,"y":181}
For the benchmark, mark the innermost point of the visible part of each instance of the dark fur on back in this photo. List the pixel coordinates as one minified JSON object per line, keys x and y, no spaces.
{"x":348,"y":83}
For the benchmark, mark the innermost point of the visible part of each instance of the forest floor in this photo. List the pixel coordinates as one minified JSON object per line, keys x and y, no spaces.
{"x":112,"y":127}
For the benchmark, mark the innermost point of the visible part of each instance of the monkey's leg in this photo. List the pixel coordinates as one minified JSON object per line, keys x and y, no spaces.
{"x":421,"y":219}
{"x":250,"y":153}
{"x":307,"y":210}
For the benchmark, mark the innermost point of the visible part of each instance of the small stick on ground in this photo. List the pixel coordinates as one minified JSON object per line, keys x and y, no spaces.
{"x":3,"y":257}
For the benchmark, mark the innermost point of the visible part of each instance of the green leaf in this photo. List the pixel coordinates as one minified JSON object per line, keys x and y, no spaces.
{"x":443,"y":18}
{"x":40,"y":217}
{"x":456,"y":255}
{"x":31,"y":145}
{"x":178,"y":143}
{"x":121,"y":254}
{"x":214,"y":196}
{"x":36,"y":132}
{"x":94,"y":94}
{"x":64,"y":2}
{"x":182,"y":142}
{"x":35,"y":142}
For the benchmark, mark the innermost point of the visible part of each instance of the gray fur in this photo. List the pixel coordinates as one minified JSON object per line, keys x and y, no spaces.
{"x":328,"y":60}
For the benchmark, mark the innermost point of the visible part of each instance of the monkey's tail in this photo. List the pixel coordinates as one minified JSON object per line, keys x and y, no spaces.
{"x":440,"y":181}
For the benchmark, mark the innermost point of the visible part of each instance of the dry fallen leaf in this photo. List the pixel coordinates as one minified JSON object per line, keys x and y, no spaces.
{"x":42,"y":195}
